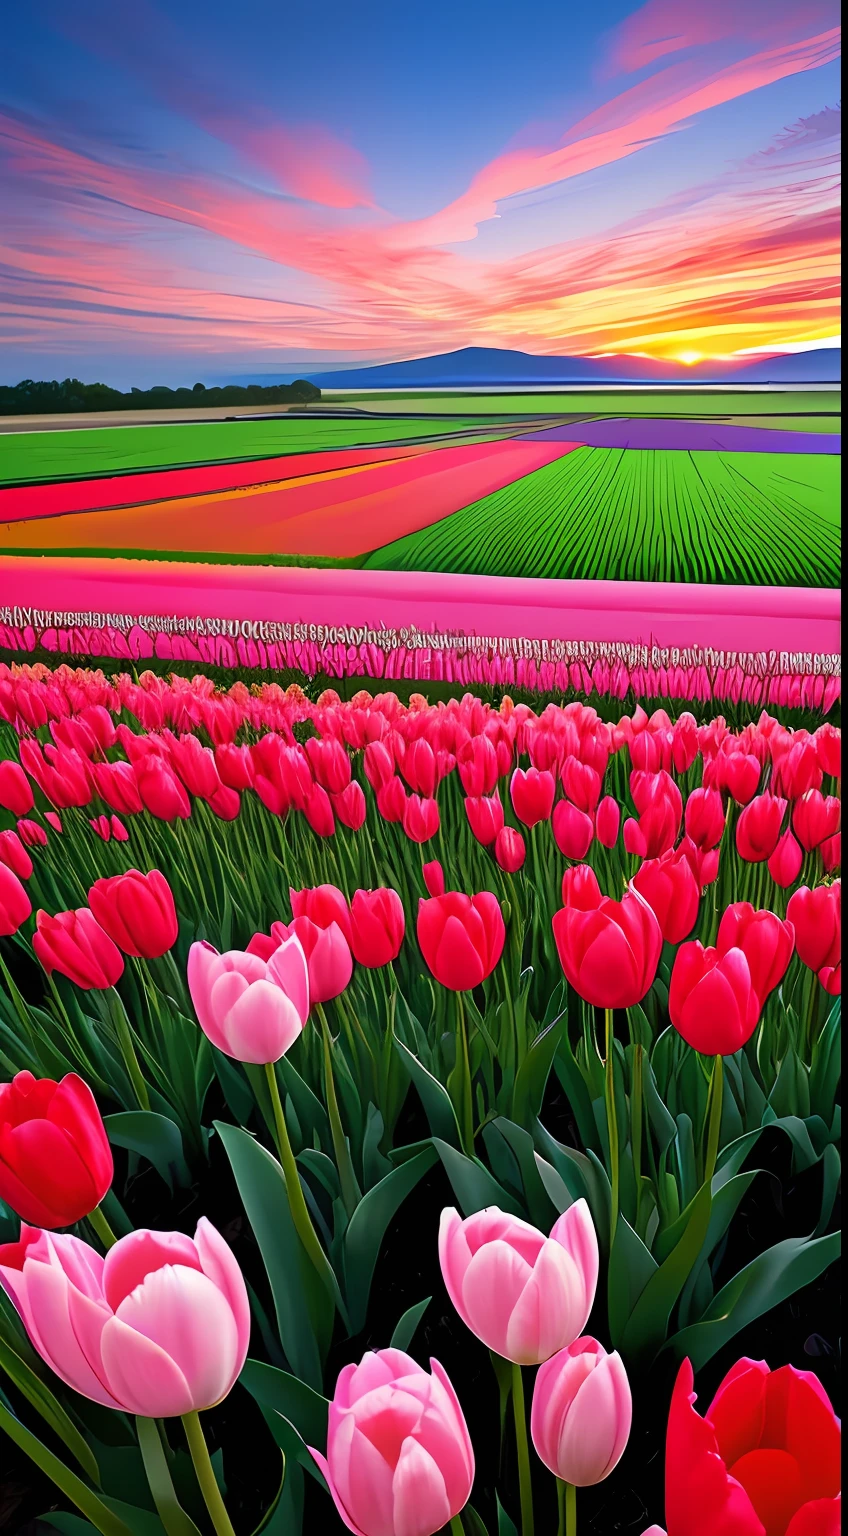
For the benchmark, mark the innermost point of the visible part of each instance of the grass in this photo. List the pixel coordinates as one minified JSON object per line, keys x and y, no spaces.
{"x":613,"y":402}
{"x":748,"y":518}
{"x":72,"y":454}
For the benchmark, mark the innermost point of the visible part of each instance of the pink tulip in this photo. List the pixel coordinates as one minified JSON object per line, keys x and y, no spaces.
{"x":525,"y":1295}
{"x":328,"y":955}
{"x":485,"y":817}
{"x":434,"y":878}
{"x":251,"y":1009}
{"x":784,"y":866}
{"x":573,"y":830}
{"x":420,"y":819}
{"x":582,"y":1411}
{"x":608,"y":821}
{"x":532,"y":791}
{"x":510,"y":850}
{"x":159,"y":1327}
{"x":399,"y":1457}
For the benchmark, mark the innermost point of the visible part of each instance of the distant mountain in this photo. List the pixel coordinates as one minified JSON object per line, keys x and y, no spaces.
{"x":473,"y":367}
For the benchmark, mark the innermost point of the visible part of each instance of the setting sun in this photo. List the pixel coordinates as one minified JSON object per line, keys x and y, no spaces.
{"x":689,"y":358}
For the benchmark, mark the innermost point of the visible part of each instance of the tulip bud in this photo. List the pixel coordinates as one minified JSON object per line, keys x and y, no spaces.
{"x":391,"y":800}
{"x":15,"y":789}
{"x":704,"y":818}
{"x":784,"y":866}
{"x":815,"y":818}
{"x":55,"y":1158}
{"x":758,"y":828}
{"x":137,"y":911}
{"x":582,"y":1412}
{"x":75,"y":945}
{"x":14,"y":855}
{"x":532,"y":793}
{"x":485,"y":817}
{"x":573,"y":830}
{"x":31,"y":834}
{"x":608,"y":822}
{"x":15,"y":905}
{"x":434,"y":878}
{"x":420,"y":819}
{"x":510,"y":850}
{"x":711,"y":999}
{"x":816,"y":917}
{"x":377,"y":926}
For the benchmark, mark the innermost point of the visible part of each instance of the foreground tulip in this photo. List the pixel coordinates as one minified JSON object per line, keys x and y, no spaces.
{"x":251,"y":1009}
{"x":671,"y":890}
{"x":765,"y":941}
{"x":582,"y":1411}
{"x":524,"y":1295}
{"x":159,"y":1327}
{"x":461,"y":937}
{"x":816,"y":917}
{"x":377,"y":926}
{"x":609,"y":950}
{"x":55,"y":1158}
{"x":15,"y":905}
{"x":137,"y":911}
{"x":764,"y":1460}
{"x":704,"y":818}
{"x":75,"y":945}
{"x":711,"y":999}
{"x":399,"y":1457}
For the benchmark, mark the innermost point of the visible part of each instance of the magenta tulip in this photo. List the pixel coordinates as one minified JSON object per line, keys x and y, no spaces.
{"x":75,"y":945}
{"x":399,"y":1457}
{"x":573,"y":830}
{"x":711,"y":999}
{"x":461,"y":937}
{"x":251,"y":1009}
{"x":510,"y":850}
{"x":609,"y":950}
{"x":582,"y":1412}
{"x":159,"y":1327}
{"x":532,"y":791}
{"x":377,"y":926}
{"x":523,"y":1294}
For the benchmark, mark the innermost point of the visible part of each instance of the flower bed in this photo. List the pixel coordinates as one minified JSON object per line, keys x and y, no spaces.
{"x":391,"y":1030}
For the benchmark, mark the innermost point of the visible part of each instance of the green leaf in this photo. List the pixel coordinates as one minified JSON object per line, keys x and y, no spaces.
{"x":726,"y":1200}
{"x":533,"y":1074}
{"x":154,"y":1137}
{"x":520,"y":1143}
{"x":305,"y":1409}
{"x":506,"y":1526}
{"x":647,"y":1326}
{"x":102,"y":1517}
{"x":827,"y":1065}
{"x":441,"y":1116}
{"x":405,"y":1330}
{"x":630,"y":1268}
{"x":367,"y":1228}
{"x":299,"y":1302}
{"x":42,"y":1399}
{"x":830,"y":1186}
{"x":472,"y":1183}
{"x":768,"y":1280}
{"x":174,"y":1518}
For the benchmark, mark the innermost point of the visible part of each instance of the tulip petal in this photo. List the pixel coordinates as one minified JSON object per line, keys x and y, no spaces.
{"x":821,"y":1517}
{"x":142,"y":1375}
{"x":183,"y":1312}
{"x":491,"y":1287}
{"x":772,"y":1481}
{"x":420,"y":1500}
{"x":219,"y":1263}
{"x":363,"y":1478}
{"x":51,"y":1328}
{"x":138,"y":1255}
{"x":322,"y":1464}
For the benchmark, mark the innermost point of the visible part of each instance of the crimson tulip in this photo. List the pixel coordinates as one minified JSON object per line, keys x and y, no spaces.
{"x":420,"y":769}
{"x":828,"y":740}
{"x":195,"y":765}
{"x":161,"y":792}
{"x":319,"y":812}
{"x":329,"y":763}
{"x":758,"y":828}
{"x":377,"y":926}
{"x":420,"y":819}
{"x":477,"y":765}
{"x":510,"y":850}
{"x":485,"y":817}
{"x":765,"y":941}
{"x":75,"y":945}
{"x":798,"y":769}
{"x":763,"y":1461}
{"x":461,"y":937}
{"x":816,"y":817}
{"x":609,"y":950}
{"x":434,"y":878}
{"x":703,"y":862}
{"x":328,"y":957}
{"x":235,"y":765}
{"x":831,"y":853}
{"x":349,"y":806}
{"x":711,"y":999}
{"x":581,"y":783}
{"x":391,"y":799}
{"x":684,"y":742}
{"x":55,"y":1158}
{"x":323,"y":905}
{"x":741,"y":771}
{"x":15,"y":789}
{"x":31,"y":834}
{"x":532,"y":791}
{"x":816,"y":917}
{"x":608,"y":822}
{"x":225,"y":803}
{"x":671,"y":890}
{"x":573,"y":830}
{"x":784,"y":866}
{"x":15,"y":905}
{"x":704,"y":818}
{"x":14,"y":855}
{"x":660,"y":805}
{"x":378,"y":764}
{"x":137,"y":911}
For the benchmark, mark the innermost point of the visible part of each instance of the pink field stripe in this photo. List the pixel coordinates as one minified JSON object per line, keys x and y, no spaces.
{"x":739,"y":619}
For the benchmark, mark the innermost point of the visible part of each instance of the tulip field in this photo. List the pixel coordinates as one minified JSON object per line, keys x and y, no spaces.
{"x":417,"y":1116}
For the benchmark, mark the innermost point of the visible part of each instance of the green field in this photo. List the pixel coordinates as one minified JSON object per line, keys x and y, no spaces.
{"x":773,"y":404}
{"x":750,"y":518}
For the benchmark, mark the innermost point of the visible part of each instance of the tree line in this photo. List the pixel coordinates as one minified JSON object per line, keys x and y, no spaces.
{"x":46,"y":397}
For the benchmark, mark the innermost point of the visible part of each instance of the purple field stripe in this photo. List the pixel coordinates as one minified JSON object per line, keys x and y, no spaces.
{"x":690,"y":436}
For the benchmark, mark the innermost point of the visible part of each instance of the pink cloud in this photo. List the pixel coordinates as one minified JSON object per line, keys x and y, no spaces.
{"x":308,"y":161}
{"x":668,"y":26}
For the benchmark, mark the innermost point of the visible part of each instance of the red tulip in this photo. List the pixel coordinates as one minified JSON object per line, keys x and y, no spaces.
{"x":816,"y":917}
{"x":765,"y":941}
{"x":485,"y":817}
{"x":816,"y":818}
{"x":323,"y":905}
{"x":660,"y":805}
{"x":798,"y":770}
{"x":137,"y":911}
{"x":117,"y":784}
{"x":235,"y":766}
{"x":532,"y":791}
{"x":420,"y":819}
{"x":573,"y":830}
{"x":378,"y":764}
{"x":828,"y":740}
{"x":704,"y":818}
{"x":329,"y":763}
{"x":461,"y":937}
{"x":15,"y":905}
{"x":195,"y":765}
{"x":830,"y":977}
{"x":319,"y":812}
{"x":434,"y":878}
{"x":784,"y":866}
{"x":741,"y":776}
{"x":328,"y":958}
{"x":53,"y":820}
{"x":15,"y":789}
{"x":161,"y":792}
{"x":477,"y":765}
{"x":225,"y":803}
{"x":75,"y":945}
{"x":609,"y":950}
{"x":581,"y":783}
{"x":764,"y":1460}
{"x":377,"y":926}
{"x":673,"y":893}
{"x":684,"y":742}
{"x":510,"y":850}
{"x":350,"y":806}
{"x":420,"y":769}
{"x":14,"y":855}
{"x":608,"y":822}
{"x":391,"y":800}
{"x":55,"y":1158}
{"x":711,"y":1000}
{"x":758,"y":828}
{"x":831,"y":853}
{"x":33,"y":835}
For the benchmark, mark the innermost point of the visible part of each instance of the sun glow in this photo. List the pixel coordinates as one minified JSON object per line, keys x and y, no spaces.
{"x":689,"y":357}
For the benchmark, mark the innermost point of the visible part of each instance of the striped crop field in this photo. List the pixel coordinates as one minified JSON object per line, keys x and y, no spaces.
{"x":624,"y":514}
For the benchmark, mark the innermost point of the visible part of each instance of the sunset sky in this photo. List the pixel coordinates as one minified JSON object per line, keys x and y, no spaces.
{"x":196,"y":189}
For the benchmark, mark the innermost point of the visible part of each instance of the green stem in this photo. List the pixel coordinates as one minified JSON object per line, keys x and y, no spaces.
{"x":467,"y":1116}
{"x":297,"y":1201}
{"x":716,"y":1094}
{"x":125,"y":1042}
{"x":456,"y":1526}
{"x":102,"y":1518}
{"x":612,"y":1122}
{"x":636,"y":1126}
{"x":206,"y":1477}
{"x":525,"y":1485}
{"x":347,"y":1181}
{"x":152,"y":1444}
{"x":102,"y":1228}
{"x":567,"y":1507}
